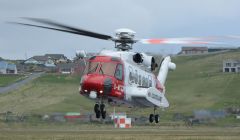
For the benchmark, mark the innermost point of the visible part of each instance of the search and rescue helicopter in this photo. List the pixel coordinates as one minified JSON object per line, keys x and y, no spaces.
{"x":122,"y":76}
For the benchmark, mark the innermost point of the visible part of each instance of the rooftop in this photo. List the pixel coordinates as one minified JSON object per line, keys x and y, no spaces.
{"x":40,"y":58}
{"x":231,"y":60}
{"x":195,"y":48}
{"x":55,"y":56}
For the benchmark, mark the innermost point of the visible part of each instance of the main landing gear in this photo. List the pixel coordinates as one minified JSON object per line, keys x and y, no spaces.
{"x":154,"y":117}
{"x":100,"y":110}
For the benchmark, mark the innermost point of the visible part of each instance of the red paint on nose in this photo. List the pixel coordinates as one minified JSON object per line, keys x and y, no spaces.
{"x":93,"y":82}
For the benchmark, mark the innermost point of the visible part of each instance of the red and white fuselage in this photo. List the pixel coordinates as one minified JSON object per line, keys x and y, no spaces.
{"x":115,"y":77}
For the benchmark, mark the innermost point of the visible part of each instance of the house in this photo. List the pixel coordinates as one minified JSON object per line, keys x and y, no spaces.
{"x":231,"y":65}
{"x":221,"y":49}
{"x":79,"y":66}
{"x":7,"y":68}
{"x":194,"y":50}
{"x":57,"y":58}
{"x":76,"y":67}
{"x":65,"y":68}
{"x":40,"y":60}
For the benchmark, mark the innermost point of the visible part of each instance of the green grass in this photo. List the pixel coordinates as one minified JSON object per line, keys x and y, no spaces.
{"x":9,"y":79}
{"x":50,"y":93}
{"x":198,"y":83}
{"x":107,"y":133}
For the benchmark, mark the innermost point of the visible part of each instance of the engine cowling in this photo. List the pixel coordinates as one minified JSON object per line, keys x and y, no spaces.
{"x":146,"y":60}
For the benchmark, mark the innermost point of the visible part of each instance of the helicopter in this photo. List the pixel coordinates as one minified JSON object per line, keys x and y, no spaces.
{"x":121,"y":76}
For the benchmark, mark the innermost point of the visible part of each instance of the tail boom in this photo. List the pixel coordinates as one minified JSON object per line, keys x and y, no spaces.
{"x":165,"y":67}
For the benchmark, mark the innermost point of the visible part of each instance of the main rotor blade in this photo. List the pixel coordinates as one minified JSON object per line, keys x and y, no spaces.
{"x":179,"y":41}
{"x":65,"y":28}
{"x":233,"y":36}
{"x":25,"y":24}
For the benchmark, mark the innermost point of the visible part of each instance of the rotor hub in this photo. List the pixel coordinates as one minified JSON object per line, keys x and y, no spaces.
{"x":124,"y":39}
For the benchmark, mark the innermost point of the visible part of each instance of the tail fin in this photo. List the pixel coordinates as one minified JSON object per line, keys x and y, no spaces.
{"x":165,"y":66}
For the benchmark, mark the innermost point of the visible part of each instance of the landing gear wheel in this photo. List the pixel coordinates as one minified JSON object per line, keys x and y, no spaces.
{"x":97,"y":110}
{"x":104,"y":113}
{"x":98,"y":114}
{"x":102,"y":107}
{"x":156,"y":117}
{"x":151,"y":118}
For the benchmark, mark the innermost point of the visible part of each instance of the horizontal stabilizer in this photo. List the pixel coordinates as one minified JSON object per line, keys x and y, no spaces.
{"x":146,"y":96}
{"x":156,"y":97}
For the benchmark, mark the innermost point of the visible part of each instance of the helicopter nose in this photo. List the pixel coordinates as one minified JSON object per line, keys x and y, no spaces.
{"x":107,"y":86}
{"x":93,"y":83}
{"x":97,"y":85}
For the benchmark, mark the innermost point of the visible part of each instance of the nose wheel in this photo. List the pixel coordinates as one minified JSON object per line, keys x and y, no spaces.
{"x":103,"y":111}
{"x":97,"y":110}
{"x":100,"y":110}
{"x":154,"y":117}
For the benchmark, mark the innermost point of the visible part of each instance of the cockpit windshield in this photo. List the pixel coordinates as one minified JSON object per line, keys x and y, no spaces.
{"x":105,"y":68}
{"x":92,"y":67}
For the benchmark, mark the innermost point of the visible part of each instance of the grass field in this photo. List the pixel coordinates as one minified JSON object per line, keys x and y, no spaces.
{"x":198,"y":83}
{"x":140,"y":133}
{"x":50,"y":93}
{"x":8,"y":79}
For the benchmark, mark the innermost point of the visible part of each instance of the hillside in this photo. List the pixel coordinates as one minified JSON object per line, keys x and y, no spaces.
{"x":197,"y":83}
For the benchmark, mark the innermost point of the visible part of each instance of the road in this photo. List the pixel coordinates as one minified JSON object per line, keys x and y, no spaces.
{"x":18,"y":84}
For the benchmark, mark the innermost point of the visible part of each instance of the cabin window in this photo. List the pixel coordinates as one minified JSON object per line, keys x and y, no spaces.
{"x":143,"y":81}
{"x":150,"y":81}
{"x":119,"y":72}
{"x":136,"y":77}
{"x":130,"y":77}
{"x":146,"y":80}
{"x":139,"y":80}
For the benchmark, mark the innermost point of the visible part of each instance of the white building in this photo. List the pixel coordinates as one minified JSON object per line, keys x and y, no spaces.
{"x":194,"y":50}
{"x":231,"y":65}
{"x":40,"y":60}
{"x":7,"y":68}
{"x":57,"y":58}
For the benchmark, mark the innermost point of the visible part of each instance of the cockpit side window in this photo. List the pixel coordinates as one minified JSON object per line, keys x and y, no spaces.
{"x":119,"y":72}
{"x":92,"y":67}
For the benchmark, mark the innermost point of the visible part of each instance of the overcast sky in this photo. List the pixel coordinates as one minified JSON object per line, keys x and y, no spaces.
{"x":149,"y":18}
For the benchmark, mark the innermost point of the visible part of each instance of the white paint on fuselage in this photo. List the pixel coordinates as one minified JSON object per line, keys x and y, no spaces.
{"x":137,"y":77}
{"x":134,"y":74}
